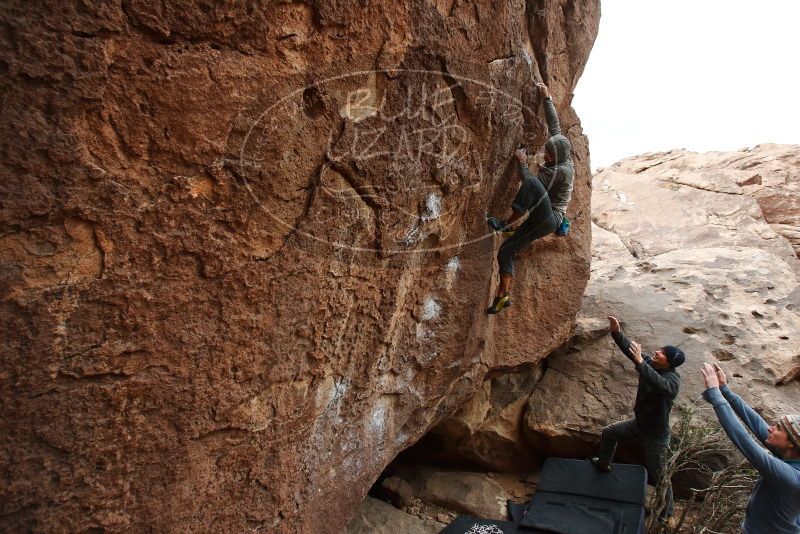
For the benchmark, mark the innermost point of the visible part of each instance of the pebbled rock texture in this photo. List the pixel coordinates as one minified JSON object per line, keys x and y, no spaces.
{"x":244,"y":254}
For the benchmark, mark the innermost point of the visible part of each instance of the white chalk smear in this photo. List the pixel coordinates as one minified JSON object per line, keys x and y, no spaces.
{"x":430,"y":309}
{"x":433,"y":208}
{"x":451,"y":271}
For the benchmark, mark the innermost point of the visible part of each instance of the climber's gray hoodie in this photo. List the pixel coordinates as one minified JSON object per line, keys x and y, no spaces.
{"x":558,"y":177}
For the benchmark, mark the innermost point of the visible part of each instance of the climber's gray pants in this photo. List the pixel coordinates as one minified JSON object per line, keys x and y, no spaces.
{"x":540,"y":222}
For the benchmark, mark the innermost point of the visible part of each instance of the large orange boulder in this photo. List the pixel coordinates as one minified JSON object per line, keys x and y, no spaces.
{"x":245,"y":259}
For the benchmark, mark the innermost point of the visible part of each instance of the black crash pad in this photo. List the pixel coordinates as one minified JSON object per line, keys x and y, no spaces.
{"x":625,"y":483}
{"x":573,"y":497}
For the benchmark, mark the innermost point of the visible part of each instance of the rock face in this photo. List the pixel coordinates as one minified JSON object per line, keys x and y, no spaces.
{"x":768,"y":173}
{"x":377,"y":517}
{"x":396,"y":491}
{"x":472,"y":494}
{"x":488,"y":430}
{"x":685,"y":257}
{"x":244,"y":250}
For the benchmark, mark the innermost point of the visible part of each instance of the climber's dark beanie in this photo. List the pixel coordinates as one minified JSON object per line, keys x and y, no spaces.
{"x":674,"y":355}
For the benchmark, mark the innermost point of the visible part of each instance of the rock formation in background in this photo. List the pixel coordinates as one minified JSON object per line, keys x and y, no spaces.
{"x":768,"y":173}
{"x":687,"y":249}
{"x":245,"y":259}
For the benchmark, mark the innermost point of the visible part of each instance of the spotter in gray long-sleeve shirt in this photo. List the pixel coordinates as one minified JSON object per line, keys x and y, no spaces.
{"x":774,"y":505}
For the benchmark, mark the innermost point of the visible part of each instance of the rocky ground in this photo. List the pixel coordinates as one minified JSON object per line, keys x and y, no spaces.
{"x":425,"y":498}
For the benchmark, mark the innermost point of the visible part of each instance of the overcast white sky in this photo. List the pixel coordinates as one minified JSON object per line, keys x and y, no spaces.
{"x":701,"y":75}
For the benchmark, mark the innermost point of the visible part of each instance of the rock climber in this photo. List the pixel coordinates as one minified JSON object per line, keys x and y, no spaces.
{"x":774,"y":505}
{"x":544,"y":199}
{"x":659,"y":383}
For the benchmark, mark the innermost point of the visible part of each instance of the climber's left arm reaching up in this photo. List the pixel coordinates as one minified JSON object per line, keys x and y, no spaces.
{"x":549,"y":111}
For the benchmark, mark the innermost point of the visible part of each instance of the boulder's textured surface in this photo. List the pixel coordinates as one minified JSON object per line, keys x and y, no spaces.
{"x":685,"y":258}
{"x":244,"y":250}
{"x":488,"y":430}
{"x":377,"y":517}
{"x":474,"y":494}
{"x":769,"y":173}
{"x":396,"y":491}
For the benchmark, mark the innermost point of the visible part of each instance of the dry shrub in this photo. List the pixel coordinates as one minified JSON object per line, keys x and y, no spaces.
{"x":719,"y":507}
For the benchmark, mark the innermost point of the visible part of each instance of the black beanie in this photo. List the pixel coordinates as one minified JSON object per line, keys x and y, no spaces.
{"x":674,"y":355}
